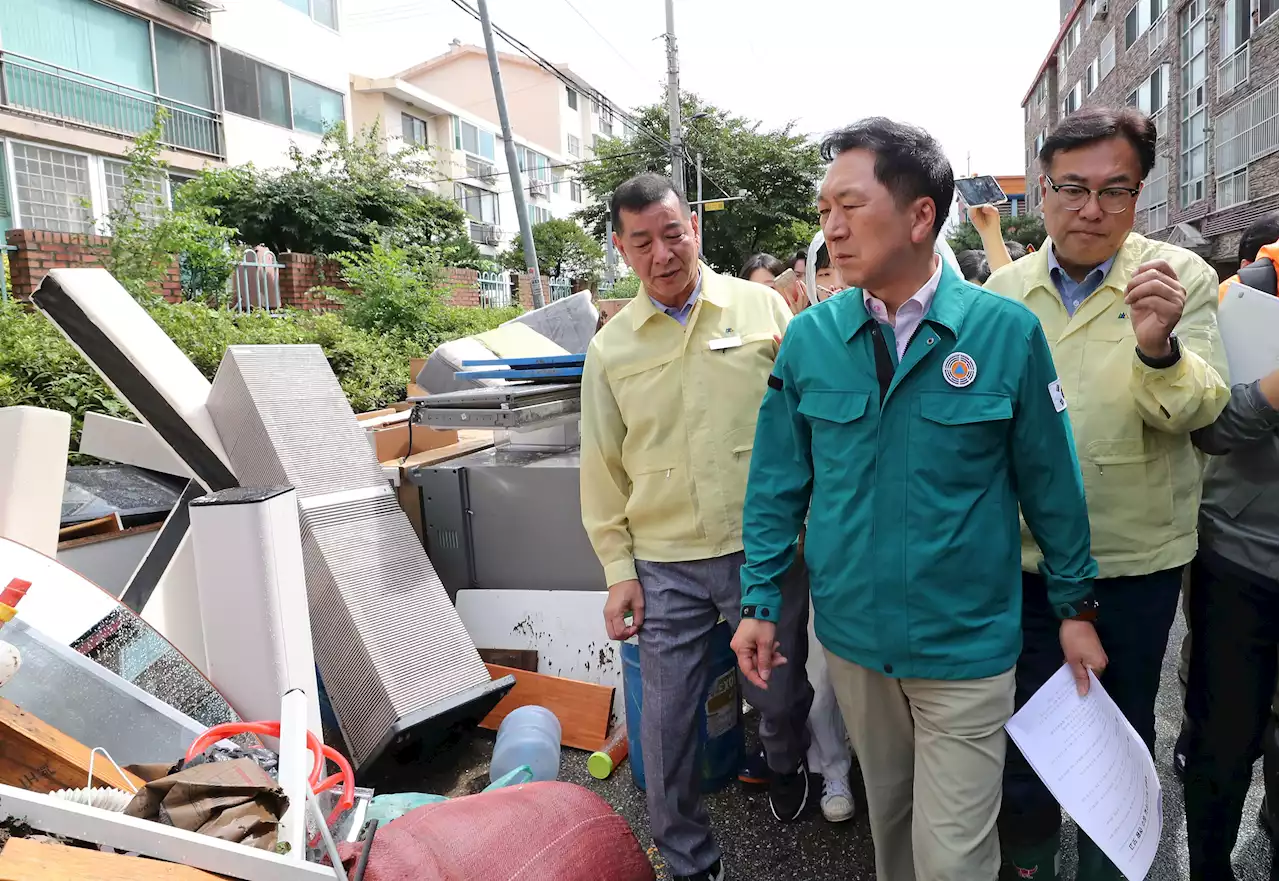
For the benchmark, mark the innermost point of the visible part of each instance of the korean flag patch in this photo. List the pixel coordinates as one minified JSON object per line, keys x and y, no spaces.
{"x":1056,"y":395}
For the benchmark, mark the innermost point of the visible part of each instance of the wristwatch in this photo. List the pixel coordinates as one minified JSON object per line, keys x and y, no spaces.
{"x":1085,"y":609}
{"x":1174,"y":356}
{"x":762,"y":613}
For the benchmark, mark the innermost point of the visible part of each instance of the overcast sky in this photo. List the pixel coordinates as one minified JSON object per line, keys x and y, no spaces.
{"x":959,"y":68}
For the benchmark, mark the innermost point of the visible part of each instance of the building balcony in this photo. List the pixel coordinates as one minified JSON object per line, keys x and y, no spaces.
{"x":1233,"y":71}
{"x":36,"y":88}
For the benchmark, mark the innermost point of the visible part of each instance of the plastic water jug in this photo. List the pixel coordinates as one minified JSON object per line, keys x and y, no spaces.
{"x":528,"y":736}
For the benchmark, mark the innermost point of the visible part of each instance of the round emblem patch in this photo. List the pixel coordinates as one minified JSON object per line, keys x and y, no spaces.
{"x":959,"y":370}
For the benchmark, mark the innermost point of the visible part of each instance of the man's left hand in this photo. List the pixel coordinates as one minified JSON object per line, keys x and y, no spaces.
{"x":1156,"y":299}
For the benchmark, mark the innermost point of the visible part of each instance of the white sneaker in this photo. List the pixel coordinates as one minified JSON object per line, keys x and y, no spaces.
{"x":837,"y":800}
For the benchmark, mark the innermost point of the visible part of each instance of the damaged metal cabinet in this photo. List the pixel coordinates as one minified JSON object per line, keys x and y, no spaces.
{"x":507,"y":519}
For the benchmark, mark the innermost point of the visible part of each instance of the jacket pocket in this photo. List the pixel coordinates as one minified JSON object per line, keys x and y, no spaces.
{"x":1130,"y":495}
{"x":660,"y":507}
{"x":965,"y":408}
{"x":833,"y":407}
{"x":842,"y":435}
{"x":960,"y":434}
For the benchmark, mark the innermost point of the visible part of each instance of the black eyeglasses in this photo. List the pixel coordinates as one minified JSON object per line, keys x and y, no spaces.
{"x":1112,"y":200}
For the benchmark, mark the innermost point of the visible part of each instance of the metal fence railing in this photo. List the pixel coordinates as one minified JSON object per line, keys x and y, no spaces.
{"x":495,"y":290}
{"x":255,"y":284}
{"x":558,"y":287}
{"x":29,"y":85}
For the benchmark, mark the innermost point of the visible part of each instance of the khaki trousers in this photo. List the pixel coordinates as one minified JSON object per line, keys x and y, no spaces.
{"x":932,"y":758}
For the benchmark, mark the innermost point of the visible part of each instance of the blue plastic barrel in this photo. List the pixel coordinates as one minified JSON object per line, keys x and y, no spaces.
{"x":719,"y":717}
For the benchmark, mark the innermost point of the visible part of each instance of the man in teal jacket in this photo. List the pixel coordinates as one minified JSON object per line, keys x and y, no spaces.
{"x":910,"y":417}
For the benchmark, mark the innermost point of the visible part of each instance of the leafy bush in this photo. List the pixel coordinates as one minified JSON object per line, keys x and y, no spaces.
{"x":1027,"y":229}
{"x":623,"y":289}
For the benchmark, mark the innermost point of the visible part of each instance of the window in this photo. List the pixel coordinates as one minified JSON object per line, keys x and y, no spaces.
{"x":575,"y":190}
{"x":323,"y":11}
{"x":1091,"y":77}
{"x":1142,"y":16}
{"x":480,"y":170}
{"x":1073,"y":36}
{"x":473,"y":140}
{"x":538,"y":215}
{"x":1267,"y":8}
{"x":115,"y":175}
{"x":1107,"y":55}
{"x":1071,"y":103}
{"x":575,"y":146}
{"x":255,"y":90}
{"x":53,"y":189}
{"x":1193,"y":30}
{"x":1153,"y":202}
{"x":1040,"y":139}
{"x":572,"y":97}
{"x":315,"y":108}
{"x":414,"y":130}
{"x":1088,"y":13}
{"x":1152,"y":93}
{"x":1247,"y":131}
{"x":1233,"y":188}
{"x":480,"y":205}
{"x":1042,"y":94}
{"x":184,"y":68}
{"x":1235,"y":25}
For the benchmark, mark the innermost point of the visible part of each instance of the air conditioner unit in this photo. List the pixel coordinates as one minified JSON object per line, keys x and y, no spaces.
{"x":1101,"y":9}
{"x":492,"y":235}
{"x":488,"y":174}
{"x":539,"y":187}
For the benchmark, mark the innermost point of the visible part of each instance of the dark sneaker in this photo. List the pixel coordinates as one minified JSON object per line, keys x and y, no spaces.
{"x":789,"y":793}
{"x":1180,"y":754}
{"x":714,"y":873}
{"x":755,"y":773}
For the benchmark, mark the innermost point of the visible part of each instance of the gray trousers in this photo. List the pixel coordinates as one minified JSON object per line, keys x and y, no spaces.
{"x":682,"y":604}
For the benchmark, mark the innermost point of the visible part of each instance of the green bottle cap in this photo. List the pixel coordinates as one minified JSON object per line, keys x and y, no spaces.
{"x":599,"y":765}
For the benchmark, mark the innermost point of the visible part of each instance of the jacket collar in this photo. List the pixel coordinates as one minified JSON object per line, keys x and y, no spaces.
{"x":947,"y":309}
{"x":713,"y":291}
{"x":1130,"y":256}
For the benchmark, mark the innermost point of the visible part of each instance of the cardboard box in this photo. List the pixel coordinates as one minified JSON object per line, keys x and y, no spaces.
{"x":391,"y":443}
{"x":415,"y":367}
{"x":413,"y":390}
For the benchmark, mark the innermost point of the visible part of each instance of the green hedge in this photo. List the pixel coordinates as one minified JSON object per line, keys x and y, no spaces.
{"x":39,"y":368}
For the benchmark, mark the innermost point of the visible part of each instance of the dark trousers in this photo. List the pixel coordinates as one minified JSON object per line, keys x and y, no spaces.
{"x":1229,"y":692}
{"x":1135,"y":614}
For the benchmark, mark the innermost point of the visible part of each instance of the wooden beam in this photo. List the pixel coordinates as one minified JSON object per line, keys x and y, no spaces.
{"x":23,"y":860}
{"x":38,"y":757}
{"x":582,"y":707}
{"x":519,"y":659}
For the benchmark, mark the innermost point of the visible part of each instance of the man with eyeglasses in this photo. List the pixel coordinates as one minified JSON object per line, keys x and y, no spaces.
{"x":1132,"y":325}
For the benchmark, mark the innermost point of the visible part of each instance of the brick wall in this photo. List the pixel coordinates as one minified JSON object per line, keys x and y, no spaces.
{"x":301,"y":275}
{"x":40,"y":250}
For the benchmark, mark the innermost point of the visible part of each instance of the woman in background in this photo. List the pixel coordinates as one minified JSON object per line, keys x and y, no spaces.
{"x":762,"y":269}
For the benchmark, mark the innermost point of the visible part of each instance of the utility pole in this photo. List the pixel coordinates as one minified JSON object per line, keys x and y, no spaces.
{"x":513,"y":167}
{"x":610,"y":257}
{"x":697,"y":161}
{"x":673,"y":101}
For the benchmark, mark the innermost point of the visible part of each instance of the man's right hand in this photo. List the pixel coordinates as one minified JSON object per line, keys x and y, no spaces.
{"x":624,"y":597}
{"x":756,"y":646}
{"x":985,"y":218}
{"x":1083,"y":652}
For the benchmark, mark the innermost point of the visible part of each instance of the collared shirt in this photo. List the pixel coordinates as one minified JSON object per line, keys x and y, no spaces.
{"x":1073,"y":292}
{"x":682,"y":313}
{"x":910,"y":313}
{"x":668,"y":423}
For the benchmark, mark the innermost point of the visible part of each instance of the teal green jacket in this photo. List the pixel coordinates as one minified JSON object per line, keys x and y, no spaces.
{"x":913,"y":543}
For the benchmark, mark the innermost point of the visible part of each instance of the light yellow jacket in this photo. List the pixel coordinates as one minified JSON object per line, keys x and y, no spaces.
{"x":1132,"y":423}
{"x":668,"y":424}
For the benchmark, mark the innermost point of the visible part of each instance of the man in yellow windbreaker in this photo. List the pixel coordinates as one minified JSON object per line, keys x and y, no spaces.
{"x":1132,"y":325}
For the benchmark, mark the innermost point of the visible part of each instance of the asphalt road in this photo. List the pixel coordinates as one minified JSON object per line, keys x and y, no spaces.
{"x":759,"y":849}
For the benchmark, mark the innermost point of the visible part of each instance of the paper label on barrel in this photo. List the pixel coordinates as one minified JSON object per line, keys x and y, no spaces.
{"x":722,"y":704}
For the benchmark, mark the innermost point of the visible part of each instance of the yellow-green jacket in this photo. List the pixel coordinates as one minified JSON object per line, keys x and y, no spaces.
{"x":1132,"y":423}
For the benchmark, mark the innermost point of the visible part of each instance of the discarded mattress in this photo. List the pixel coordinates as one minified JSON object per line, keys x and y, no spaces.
{"x":569,"y":322}
{"x":391,"y":649}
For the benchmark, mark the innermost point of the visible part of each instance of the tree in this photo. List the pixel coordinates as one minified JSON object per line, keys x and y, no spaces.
{"x":778,"y":168}
{"x":348,"y":194}
{"x":563,"y":248}
{"x":1025,"y":228}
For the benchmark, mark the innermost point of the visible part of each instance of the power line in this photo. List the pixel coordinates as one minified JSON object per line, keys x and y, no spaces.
{"x":497,"y":171}
{"x":615,"y":49}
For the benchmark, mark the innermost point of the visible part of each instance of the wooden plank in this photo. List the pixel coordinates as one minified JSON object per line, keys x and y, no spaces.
{"x":95,"y":539}
{"x":582,"y":707}
{"x":23,"y":860}
{"x":519,"y":659}
{"x":38,"y":757}
{"x":468,"y":442}
{"x":108,"y":525}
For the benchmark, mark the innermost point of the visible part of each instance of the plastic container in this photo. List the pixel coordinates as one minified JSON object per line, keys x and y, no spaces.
{"x":528,"y":736}
{"x":719,"y":716}
{"x":600,"y":764}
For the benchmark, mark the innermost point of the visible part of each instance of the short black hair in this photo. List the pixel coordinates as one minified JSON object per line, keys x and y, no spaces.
{"x":1093,"y":124}
{"x":910,"y":163}
{"x":822,"y":259}
{"x":645,"y":189}
{"x":974,"y":266}
{"x":1261,"y":232}
{"x":1016,"y":250}
{"x":767,"y":262}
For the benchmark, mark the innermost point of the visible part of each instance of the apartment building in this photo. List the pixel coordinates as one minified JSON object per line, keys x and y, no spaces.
{"x":239,"y":80}
{"x":1206,"y":72}
{"x":447,"y":104}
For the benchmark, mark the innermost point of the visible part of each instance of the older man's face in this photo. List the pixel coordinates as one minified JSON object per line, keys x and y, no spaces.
{"x":660,"y":244}
{"x":1089,"y":236}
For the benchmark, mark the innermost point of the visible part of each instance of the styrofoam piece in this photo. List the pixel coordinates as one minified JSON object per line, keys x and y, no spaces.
{"x":33,"y":469}
{"x":146,"y":837}
{"x":174,"y":607}
{"x":129,"y":443}
{"x":569,"y":323}
{"x":565,"y":628}
{"x":391,"y":649}
{"x":139,"y":361}
{"x":253,"y":602}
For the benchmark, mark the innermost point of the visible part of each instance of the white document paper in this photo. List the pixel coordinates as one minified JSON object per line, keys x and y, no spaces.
{"x":1248,"y":320}
{"x":1096,"y":766}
